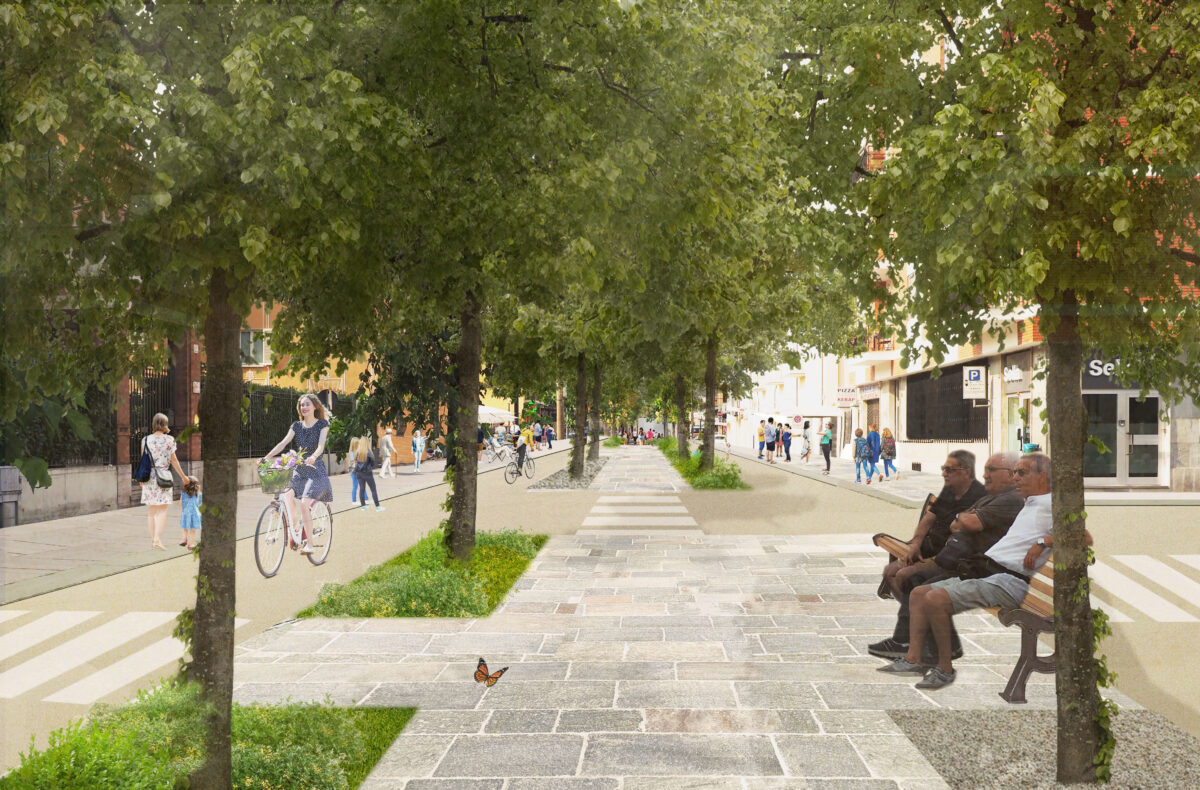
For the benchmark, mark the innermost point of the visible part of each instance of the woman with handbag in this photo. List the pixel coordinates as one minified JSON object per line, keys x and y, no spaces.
{"x":156,"y":492}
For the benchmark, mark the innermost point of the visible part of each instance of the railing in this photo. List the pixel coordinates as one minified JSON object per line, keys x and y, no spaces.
{"x":153,"y":394}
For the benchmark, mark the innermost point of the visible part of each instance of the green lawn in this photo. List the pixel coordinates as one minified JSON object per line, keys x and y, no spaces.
{"x":723,"y":475}
{"x":156,"y":741}
{"x":425,"y":581}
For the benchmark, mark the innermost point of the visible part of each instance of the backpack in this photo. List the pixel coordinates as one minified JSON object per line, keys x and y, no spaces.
{"x":889,"y":446}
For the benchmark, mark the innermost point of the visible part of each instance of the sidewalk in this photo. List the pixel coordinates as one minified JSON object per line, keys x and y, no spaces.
{"x":45,"y":556}
{"x":647,"y":659}
{"x":910,"y":488}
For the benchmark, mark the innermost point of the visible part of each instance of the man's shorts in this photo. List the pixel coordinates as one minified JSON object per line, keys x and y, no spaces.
{"x":771,"y":446}
{"x":1003,"y":590}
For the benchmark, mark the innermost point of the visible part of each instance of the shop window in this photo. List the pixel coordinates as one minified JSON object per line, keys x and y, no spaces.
{"x":936,"y":409}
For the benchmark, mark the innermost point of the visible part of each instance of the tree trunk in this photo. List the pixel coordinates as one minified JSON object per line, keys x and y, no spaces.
{"x":216,"y":588}
{"x":710,"y":403}
{"x":581,"y":409}
{"x":466,"y":464}
{"x":681,"y":426}
{"x":594,"y":413}
{"x":1075,"y":676}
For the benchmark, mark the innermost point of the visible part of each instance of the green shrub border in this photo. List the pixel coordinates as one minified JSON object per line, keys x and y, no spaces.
{"x":425,"y":581}
{"x":725,"y":475}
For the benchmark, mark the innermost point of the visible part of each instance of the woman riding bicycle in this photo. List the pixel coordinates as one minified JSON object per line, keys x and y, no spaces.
{"x":310,"y":481}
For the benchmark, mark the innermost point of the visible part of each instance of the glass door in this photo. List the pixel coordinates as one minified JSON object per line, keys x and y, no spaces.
{"x":1129,"y":429}
{"x":1142,"y":448}
{"x":1102,"y":468}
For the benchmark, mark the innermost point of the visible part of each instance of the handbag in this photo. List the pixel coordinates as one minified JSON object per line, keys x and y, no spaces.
{"x":145,"y":466}
{"x":164,"y":478}
{"x":958,"y":547}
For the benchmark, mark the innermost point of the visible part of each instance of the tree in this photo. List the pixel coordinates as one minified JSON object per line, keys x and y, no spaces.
{"x":1057,"y":171}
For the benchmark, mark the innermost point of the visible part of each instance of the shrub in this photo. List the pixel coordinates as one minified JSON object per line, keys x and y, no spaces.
{"x":614,"y":441}
{"x":723,"y":475}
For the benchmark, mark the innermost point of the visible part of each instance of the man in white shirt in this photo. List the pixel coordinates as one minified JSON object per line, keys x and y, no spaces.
{"x":386,"y":450}
{"x":1011,"y":560}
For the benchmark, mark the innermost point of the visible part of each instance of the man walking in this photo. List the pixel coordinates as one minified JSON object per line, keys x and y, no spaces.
{"x":770,"y":434}
{"x":386,"y":450}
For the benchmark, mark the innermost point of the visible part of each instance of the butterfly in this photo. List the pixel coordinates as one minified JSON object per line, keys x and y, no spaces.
{"x":482,"y":676}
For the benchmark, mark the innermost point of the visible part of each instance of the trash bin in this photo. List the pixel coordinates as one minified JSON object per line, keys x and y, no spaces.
{"x":10,"y":494}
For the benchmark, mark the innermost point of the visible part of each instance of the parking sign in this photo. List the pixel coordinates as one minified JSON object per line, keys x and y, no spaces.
{"x":974,"y":382}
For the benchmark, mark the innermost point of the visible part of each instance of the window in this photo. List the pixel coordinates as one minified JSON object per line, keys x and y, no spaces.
{"x":937,"y":410}
{"x":255,"y":350}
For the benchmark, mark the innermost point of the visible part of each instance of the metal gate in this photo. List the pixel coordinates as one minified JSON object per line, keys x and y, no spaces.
{"x":153,"y":394}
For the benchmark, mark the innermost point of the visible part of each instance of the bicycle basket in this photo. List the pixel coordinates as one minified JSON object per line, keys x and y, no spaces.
{"x":274,"y":480}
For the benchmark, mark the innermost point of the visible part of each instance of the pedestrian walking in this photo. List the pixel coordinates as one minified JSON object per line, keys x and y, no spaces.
{"x":787,"y":441}
{"x":887,"y":451}
{"x":189,"y":519}
{"x":872,"y":454}
{"x":353,"y":477}
{"x":310,"y":481}
{"x":861,"y":453}
{"x":537,"y":436}
{"x":364,"y":470}
{"x":549,"y":435}
{"x":827,"y":444}
{"x":805,"y":442}
{"x":418,"y":448}
{"x":771,"y":434}
{"x":386,"y":451}
{"x":762,"y":437}
{"x":155,"y":495}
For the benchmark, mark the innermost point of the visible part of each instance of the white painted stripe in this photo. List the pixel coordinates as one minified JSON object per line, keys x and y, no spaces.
{"x":639,"y":521}
{"x":40,"y":630}
{"x":78,"y":651}
{"x":647,"y":509}
{"x":1163,"y":575}
{"x":1114,"y":615}
{"x":11,"y":614}
{"x":1188,"y":559}
{"x":1137,"y":596}
{"x":643,"y":499}
{"x":116,"y":676}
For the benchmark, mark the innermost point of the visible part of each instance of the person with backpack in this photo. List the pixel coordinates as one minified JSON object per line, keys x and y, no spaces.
{"x":862,"y":455}
{"x":887,"y":451}
{"x":364,"y":470}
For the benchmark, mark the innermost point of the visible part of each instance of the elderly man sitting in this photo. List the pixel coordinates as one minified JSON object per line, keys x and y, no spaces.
{"x":1002,"y":581}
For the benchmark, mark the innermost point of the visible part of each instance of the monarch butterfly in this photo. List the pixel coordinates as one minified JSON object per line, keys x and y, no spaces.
{"x":482,"y":676}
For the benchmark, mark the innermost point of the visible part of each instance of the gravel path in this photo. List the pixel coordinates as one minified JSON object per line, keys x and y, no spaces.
{"x":1007,"y":749}
{"x":561,"y":480}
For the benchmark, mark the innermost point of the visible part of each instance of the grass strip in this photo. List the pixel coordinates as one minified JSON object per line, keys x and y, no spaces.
{"x":156,"y":741}
{"x":724,"y":475}
{"x":425,"y":581}
{"x":614,"y":441}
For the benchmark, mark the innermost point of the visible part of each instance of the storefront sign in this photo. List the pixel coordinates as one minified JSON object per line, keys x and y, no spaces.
{"x":868,"y":391}
{"x":846,"y":397}
{"x":1098,"y":373}
{"x":1017,"y":372}
{"x":974,"y":381}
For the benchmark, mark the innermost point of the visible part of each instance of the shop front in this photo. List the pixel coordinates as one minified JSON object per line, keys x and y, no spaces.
{"x":1017,"y":378}
{"x":1137,"y":441}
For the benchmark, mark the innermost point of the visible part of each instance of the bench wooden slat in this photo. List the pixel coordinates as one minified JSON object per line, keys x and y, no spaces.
{"x":1034,"y":617}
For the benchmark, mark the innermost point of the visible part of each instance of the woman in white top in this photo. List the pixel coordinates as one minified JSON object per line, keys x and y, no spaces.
{"x":418,"y":449}
{"x":161,"y":446}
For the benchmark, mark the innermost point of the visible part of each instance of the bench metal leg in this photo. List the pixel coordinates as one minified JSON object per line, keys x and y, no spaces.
{"x":1031,"y":626}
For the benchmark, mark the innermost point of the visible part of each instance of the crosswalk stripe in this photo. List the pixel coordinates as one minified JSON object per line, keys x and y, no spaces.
{"x":1188,"y":559}
{"x":40,"y":630}
{"x":78,"y":651}
{"x":1114,"y":615}
{"x":1138,"y":596}
{"x":646,"y":509}
{"x":1162,"y":574}
{"x":639,"y":521}
{"x":120,"y":674}
{"x":642,"y":499}
{"x":11,"y":614}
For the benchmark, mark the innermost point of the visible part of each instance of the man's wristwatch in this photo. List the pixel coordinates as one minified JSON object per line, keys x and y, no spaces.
{"x":1041,"y":543}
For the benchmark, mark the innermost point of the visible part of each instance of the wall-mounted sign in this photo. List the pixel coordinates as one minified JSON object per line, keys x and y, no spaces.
{"x":846,"y":397}
{"x":1017,"y":372}
{"x":974,"y":381}
{"x":868,"y":391}
{"x":1013,"y":373}
{"x":1098,"y":373}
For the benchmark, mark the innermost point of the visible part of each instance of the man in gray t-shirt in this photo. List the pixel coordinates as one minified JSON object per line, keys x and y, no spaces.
{"x":771,"y":434}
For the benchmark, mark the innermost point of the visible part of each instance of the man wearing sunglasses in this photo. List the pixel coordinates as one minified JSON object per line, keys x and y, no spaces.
{"x":1003,"y":578}
{"x":980,"y":526}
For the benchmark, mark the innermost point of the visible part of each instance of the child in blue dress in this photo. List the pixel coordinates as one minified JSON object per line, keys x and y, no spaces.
{"x":189,"y":520}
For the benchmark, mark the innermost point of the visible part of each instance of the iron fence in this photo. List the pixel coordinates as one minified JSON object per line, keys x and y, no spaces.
{"x":152,"y":393}
{"x":32,"y":435}
{"x":266,"y":419}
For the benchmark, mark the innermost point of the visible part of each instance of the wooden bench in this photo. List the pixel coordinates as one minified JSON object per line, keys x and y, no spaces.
{"x":1035,"y":615}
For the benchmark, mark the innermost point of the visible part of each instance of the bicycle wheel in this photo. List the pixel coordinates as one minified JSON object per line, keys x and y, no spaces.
{"x":321,"y":538}
{"x":510,"y":472}
{"x":270,"y":542}
{"x":529,"y":468}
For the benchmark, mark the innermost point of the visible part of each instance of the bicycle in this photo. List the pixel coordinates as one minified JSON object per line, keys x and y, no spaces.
{"x":275,"y":531}
{"x":493,"y":451}
{"x":511,"y":472}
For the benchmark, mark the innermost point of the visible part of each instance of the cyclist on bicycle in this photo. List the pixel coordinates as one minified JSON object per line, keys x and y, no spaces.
{"x":310,"y":481}
{"x":523,"y":440}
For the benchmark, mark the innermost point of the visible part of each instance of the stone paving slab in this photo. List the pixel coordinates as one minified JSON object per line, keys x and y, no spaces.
{"x":660,"y":661}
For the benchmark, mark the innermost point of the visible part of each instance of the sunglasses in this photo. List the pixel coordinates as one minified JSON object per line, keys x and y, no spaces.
{"x":997,"y":468}
{"x":1019,"y":472}
{"x":949,"y":469}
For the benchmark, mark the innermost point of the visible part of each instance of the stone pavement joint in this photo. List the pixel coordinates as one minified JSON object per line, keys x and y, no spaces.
{"x":647,"y":659}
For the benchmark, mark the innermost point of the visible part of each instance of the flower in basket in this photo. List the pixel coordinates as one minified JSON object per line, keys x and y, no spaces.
{"x":288,"y":460}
